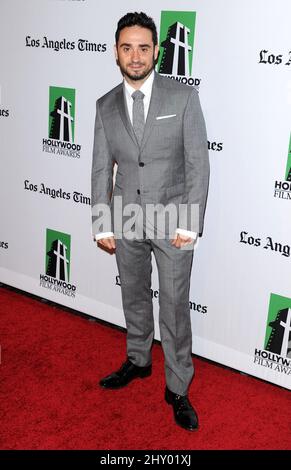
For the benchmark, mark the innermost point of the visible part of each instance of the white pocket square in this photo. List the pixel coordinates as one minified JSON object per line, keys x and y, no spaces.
{"x":167,"y":116}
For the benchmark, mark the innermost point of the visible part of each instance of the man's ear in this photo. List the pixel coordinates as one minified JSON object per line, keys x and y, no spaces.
{"x":156,"y":51}
{"x":156,"y":54}
{"x":115,"y":52}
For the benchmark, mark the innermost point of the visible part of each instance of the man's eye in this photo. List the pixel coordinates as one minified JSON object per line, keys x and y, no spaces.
{"x":144,"y":49}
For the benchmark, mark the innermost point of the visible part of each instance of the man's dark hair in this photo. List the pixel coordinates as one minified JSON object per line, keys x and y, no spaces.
{"x":139,"y":19}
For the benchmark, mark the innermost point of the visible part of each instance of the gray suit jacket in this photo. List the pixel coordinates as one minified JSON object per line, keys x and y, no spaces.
{"x":173,"y":153}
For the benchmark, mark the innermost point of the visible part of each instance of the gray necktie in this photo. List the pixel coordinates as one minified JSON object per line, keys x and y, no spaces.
{"x":138,"y":114}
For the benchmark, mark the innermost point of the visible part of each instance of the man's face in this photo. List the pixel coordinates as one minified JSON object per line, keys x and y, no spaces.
{"x":135,"y":52}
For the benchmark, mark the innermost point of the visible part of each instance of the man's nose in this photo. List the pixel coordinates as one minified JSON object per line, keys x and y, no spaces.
{"x":135,"y":55}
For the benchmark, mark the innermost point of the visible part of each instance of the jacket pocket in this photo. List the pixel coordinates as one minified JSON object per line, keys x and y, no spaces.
{"x":176,"y":190}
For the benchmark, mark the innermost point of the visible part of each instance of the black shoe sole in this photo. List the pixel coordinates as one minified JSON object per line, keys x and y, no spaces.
{"x":185,"y":427}
{"x":143,"y":375}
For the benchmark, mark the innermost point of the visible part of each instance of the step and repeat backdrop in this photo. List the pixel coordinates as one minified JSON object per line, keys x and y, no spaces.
{"x":56,"y":60}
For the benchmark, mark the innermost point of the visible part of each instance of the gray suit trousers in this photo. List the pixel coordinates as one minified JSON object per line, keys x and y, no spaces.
{"x":174,"y":265}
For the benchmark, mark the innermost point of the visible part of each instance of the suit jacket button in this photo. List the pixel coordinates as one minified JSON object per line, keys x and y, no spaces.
{"x":141,"y":163}
{"x":138,"y":191}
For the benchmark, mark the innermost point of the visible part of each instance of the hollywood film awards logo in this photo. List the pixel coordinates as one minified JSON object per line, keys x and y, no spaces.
{"x":61,"y":128}
{"x":276,"y":354}
{"x":282,"y":189}
{"x":177,"y":33}
{"x":58,"y":263}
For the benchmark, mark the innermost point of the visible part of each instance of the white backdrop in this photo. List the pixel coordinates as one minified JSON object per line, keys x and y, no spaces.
{"x":241,"y":272}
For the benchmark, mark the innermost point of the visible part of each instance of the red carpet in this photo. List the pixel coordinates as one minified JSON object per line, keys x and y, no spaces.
{"x":51,"y":363}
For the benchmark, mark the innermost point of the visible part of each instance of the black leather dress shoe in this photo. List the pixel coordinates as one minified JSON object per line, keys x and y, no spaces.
{"x":184,"y":413}
{"x":125,"y":374}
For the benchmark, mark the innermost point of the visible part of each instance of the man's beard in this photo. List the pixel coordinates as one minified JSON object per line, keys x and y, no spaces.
{"x":137,"y":77}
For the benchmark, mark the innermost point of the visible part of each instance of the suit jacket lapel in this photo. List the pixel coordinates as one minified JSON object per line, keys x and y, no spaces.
{"x":155,"y":104}
{"x":124,"y":114}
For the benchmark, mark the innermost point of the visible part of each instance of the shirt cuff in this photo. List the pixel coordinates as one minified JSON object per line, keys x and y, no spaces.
{"x":104,"y":235}
{"x":187,"y":233}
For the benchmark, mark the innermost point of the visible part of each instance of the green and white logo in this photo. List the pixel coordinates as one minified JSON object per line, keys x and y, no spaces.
{"x":58,"y":255}
{"x":282,"y":188}
{"x":58,"y":264}
{"x":177,"y":33}
{"x":62,"y":113}
{"x":61,"y":124}
{"x":278,"y":330}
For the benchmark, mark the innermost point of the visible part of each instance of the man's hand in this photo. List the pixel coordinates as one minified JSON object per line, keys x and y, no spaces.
{"x":108,"y":243}
{"x":181,"y":240}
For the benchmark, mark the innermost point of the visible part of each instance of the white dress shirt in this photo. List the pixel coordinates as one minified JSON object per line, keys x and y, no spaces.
{"x":146,"y":89}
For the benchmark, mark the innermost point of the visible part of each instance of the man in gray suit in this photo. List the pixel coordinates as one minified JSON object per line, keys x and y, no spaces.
{"x":153,"y":128}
